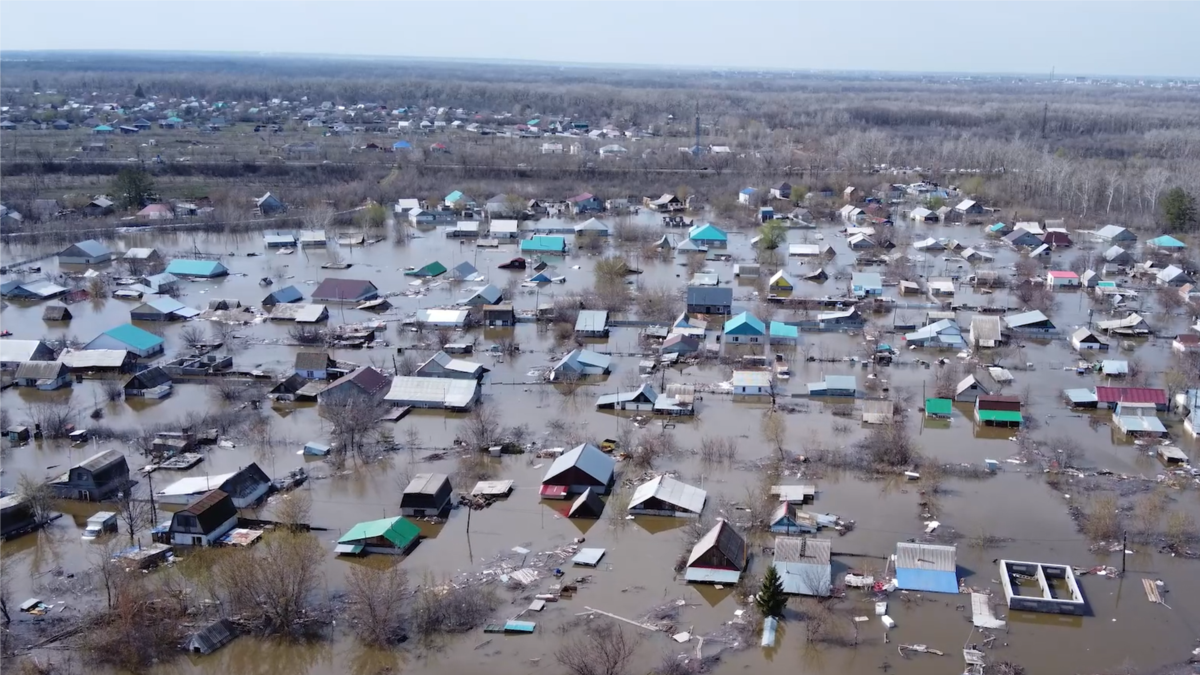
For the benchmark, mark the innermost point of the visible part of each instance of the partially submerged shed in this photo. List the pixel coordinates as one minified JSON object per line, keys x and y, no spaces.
{"x":926,"y":567}
{"x":665,"y":496}
{"x":804,"y":566}
{"x":427,"y":494}
{"x":719,"y":557}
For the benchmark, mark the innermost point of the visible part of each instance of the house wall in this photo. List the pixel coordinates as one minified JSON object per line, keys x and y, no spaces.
{"x":201,"y":539}
{"x":314,"y":374}
{"x":745,"y":339}
{"x":748,"y":390}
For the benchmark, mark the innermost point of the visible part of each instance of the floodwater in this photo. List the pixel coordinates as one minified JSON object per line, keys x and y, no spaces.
{"x":636,"y":573}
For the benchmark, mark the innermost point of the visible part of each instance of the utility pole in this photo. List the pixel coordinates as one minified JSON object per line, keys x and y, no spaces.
{"x":1124,"y":550}
{"x":1045,"y":110}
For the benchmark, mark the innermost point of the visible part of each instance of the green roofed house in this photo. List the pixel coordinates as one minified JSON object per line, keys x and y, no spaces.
{"x":1166,"y":241}
{"x":998,"y":411}
{"x":197,"y":268}
{"x":433,"y":269}
{"x":938,"y":407}
{"x":708,"y":235}
{"x":130,"y":338}
{"x":392,"y":536}
{"x":745,"y":328}
{"x":544,"y":244}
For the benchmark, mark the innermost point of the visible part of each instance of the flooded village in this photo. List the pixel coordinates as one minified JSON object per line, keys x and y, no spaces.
{"x":851,"y":424}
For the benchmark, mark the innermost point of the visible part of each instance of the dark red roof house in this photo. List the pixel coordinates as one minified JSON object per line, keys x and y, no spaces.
{"x":1109,"y":397}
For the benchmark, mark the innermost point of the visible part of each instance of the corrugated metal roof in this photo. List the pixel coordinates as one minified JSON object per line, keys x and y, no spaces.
{"x":725,"y":539}
{"x":588,"y":458}
{"x":671,"y":491}
{"x":1131,"y":395}
{"x":134,"y":337}
{"x":803,"y":550}
{"x":751,"y":378}
{"x":432,"y":390}
{"x":196,"y":268}
{"x":426,"y":483}
{"x":707,"y":295}
{"x":101,"y":461}
{"x":94,"y":358}
{"x":1025,"y":318}
{"x":911,"y":555}
{"x":592,"y":321}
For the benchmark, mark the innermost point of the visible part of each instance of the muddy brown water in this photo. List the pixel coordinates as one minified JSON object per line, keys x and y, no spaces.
{"x":636,"y":573}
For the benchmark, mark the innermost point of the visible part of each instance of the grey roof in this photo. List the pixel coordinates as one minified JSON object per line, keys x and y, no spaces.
{"x":1110,"y":231}
{"x":584,"y":358}
{"x":21,"y":350}
{"x":101,"y":461}
{"x":841,"y":382}
{"x":592,"y":320}
{"x":803,"y":550}
{"x":725,"y":539}
{"x":489,"y":294}
{"x":427,"y":483}
{"x":629,"y":395}
{"x":463,"y":270}
{"x":705,"y":295}
{"x":90,"y":248}
{"x":910,"y":555}
{"x":986,"y":327}
{"x":212,"y":637}
{"x":312,"y":361}
{"x":450,"y":363}
{"x":40,"y":370}
{"x":1084,"y":333}
{"x":1025,"y":318}
{"x":671,"y":491}
{"x":590,"y":459}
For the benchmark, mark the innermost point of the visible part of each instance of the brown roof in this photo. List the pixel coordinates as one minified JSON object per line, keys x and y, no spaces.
{"x":1188,"y":339}
{"x":368,"y":379}
{"x":312,"y":360}
{"x":203,"y":504}
{"x":988,"y":402}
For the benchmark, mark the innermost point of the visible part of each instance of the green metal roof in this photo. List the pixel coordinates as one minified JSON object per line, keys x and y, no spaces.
{"x":745,"y":324}
{"x":544,"y":243}
{"x":398,"y":530}
{"x":998,"y":415}
{"x":938,"y":406}
{"x":433,"y":269}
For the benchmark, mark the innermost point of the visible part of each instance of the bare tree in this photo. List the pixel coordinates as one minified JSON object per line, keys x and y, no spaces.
{"x":378,"y":598}
{"x":112,"y":388}
{"x":774,"y":430}
{"x":318,"y":217}
{"x":482,"y":427}
{"x":274,"y":585}
{"x":55,"y":417}
{"x":193,"y":336}
{"x":37,"y":495}
{"x":603,"y":649}
{"x":293,"y":509}
{"x":442,"y":608}
{"x":134,"y":513}
{"x":355,"y":418}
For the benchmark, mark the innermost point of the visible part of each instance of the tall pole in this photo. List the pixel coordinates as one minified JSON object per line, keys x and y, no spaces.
{"x":1124,"y":550}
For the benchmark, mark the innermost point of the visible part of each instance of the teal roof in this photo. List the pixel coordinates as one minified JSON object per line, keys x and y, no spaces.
{"x":745,"y":324}
{"x":938,"y":406}
{"x":103,"y":127}
{"x":1167,"y":241}
{"x":134,"y":337}
{"x":533,"y":123}
{"x":454,"y":196}
{"x":780,"y":329}
{"x":544,"y":243}
{"x":196,"y":268}
{"x":399,"y":531}
{"x":173,"y":120}
{"x":707,"y":232}
{"x":433,"y":269}
{"x":997,"y":227}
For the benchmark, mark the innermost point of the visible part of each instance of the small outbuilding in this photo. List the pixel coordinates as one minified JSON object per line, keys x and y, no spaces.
{"x":427,"y":495}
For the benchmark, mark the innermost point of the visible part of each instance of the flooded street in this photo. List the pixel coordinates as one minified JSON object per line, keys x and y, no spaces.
{"x":1016,"y":506}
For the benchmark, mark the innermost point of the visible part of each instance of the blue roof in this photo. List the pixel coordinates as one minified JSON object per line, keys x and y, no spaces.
{"x":288,"y":294}
{"x":400,"y":145}
{"x":540,"y":277}
{"x":1167,"y":241}
{"x":707,"y":232}
{"x":783,"y":330}
{"x":748,"y":191}
{"x":745,"y":324}
{"x":134,"y":337}
{"x":196,"y":268}
{"x":544,"y":243}
{"x":103,"y":127}
{"x":933,"y":581}
{"x":454,"y":196}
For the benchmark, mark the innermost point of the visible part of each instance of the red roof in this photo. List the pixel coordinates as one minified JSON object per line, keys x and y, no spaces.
{"x":1056,"y":239}
{"x":991,"y":402}
{"x":580,"y":198}
{"x":1131,"y":395}
{"x":1188,"y":340}
{"x":1059,"y":274}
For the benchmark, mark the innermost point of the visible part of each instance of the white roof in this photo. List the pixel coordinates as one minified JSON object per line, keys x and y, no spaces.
{"x":138,"y":253}
{"x":671,"y":491}
{"x":451,"y":393}
{"x":751,"y":378}
{"x":194,"y":485}
{"x":94,"y":358}
{"x":804,"y":249}
{"x":443,"y":317}
{"x":504,"y":226}
{"x":17,"y":350}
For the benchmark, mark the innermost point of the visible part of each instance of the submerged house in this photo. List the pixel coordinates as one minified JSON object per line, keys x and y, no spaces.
{"x":366,"y":382}
{"x":985,"y":332}
{"x":787,"y":519}
{"x":665,"y":496}
{"x":834,"y":385}
{"x":581,"y":363}
{"x":1131,"y":326}
{"x":583,"y":467}
{"x":1029,"y":322}
{"x":745,"y":328}
{"x":427,"y":494}
{"x":708,"y":235}
{"x":926,"y":567}
{"x":643,"y":398}
{"x":709,"y":300}
{"x":43,"y":375}
{"x":90,"y":252}
{"x":212,"y":637}
{"x":203,"y":269}
{"x":442,"y":364}
{"x":287,"y":294}
{"x":204,"y":521}
{"x":389,"y":536}
{"x":433,"y":392}
{"x":1085,"y":340}
{"x":95,"y":479}
{"x":971,"y":387}
{"x":592,"y":323}
{"x":719,"y":557}
{"x":150,"y":383}
{"x":998,"y":411}
{"x":345,"y":291}
{"x":246,"y":487}
{"x":804,"y":566}
{"x":943,"y":334}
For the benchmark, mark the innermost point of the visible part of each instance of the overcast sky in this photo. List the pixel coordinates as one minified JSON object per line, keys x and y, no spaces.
{"x":1086,"y":38}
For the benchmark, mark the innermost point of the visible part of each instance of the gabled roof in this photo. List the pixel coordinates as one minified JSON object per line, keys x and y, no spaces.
{"x":667,"y":489}
{"x":1131,"y":395}
{"x":1025,"y":318}
{"x":707,"y":232}
{"x":196,"y":268}
{"x":588,"y":459}
{"x":149,"y":379}
{"x":312,"y":361}
{"x":86,"y":249}
{"x":134,"y":337}
{"x":725,"y":539}
{"x":936,"y":557}
{"x":40,"y":370}
{"x":343,"y":289}
{"x":399,"y":531}
{"x":1166,"y":241}
{"x":101,"y":461}
{"x":745,"y":323}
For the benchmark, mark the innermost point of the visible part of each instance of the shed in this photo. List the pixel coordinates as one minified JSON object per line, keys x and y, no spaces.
{"x":939,"y":407}
{"x":427,"y":494}
{"x":587,"y":505}
{"x":877,"y":411}
{"x":592,"y":323}
{"x":392,"y":536}
{"x":804,"y":565}
{"x":150,"y":383}
{"x":212,"y":637}
{"x":926,"y":567}
{"x":56,"y":313}
{"x":433,"y":392}
{"x":90,"y":252}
